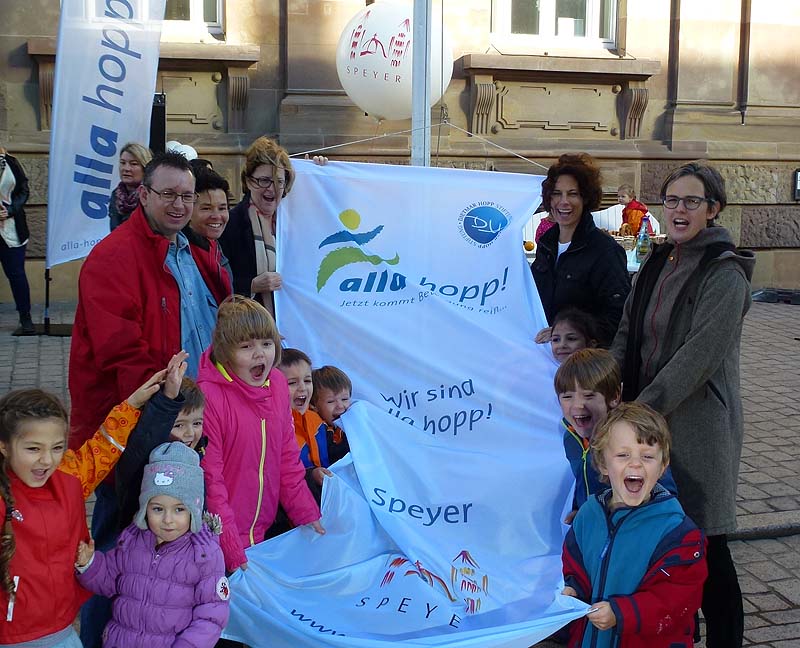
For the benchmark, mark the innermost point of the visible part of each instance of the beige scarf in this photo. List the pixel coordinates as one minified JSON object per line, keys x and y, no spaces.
{"x":264,"y":241}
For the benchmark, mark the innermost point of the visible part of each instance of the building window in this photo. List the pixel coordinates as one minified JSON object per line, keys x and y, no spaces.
{"x":568,"y":23}
{"x":200,"y":12}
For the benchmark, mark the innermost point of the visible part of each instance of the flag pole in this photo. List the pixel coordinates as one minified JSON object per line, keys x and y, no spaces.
{"x":421,"y":84}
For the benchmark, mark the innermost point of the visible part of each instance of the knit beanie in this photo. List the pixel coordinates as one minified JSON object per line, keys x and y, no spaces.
{"x":174,"y":470}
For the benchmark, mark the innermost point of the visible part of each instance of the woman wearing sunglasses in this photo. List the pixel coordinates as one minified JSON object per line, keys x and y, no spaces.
{"x":678,"y":343}
{"x":249,"y":238}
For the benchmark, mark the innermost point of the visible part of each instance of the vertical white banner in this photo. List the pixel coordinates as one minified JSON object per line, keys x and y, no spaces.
{"x":106,"y":66}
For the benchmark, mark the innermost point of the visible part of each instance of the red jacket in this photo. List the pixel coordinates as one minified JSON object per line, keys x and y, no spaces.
{"x":602,"y":555}
{"x":48,"y":523}
{"x":128,"y":321}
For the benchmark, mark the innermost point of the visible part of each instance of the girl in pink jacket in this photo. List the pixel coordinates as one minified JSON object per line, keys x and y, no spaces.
{"x":252,"y":462}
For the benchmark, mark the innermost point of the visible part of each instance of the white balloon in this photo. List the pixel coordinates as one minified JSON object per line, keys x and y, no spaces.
{"x":172,"y":145}
{"x":373,"y":59}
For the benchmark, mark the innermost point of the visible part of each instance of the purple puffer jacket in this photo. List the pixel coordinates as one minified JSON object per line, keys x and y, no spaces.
{"x":176,"y":596}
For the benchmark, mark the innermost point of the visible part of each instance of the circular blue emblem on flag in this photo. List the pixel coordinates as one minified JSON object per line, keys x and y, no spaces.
{"x":483,"y":223}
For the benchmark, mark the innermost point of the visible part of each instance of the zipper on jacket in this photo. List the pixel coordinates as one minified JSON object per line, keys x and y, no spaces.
{"x":164,"y":327}
{"x":260,"y":479}
{"x":12,"y":599}
{"x":584,"y":453}
{"x":605,"y":556}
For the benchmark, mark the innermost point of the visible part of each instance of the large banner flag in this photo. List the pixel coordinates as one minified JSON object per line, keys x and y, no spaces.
{"x":105,"y":76}
{"x":444,"y":524}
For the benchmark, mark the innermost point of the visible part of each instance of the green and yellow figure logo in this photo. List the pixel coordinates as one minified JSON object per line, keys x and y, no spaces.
{"x":349,"y":254}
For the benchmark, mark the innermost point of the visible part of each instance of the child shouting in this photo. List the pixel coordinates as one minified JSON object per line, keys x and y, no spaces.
{"x":331,"y":399}
{"x":184,"y":601}
{"x":589,"y":386}
{"x":309,"y":429}
{"x":632,"y":553}
{"x":252,"y":461}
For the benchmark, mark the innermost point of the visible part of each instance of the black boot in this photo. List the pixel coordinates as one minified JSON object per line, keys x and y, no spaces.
{"x":26,"y":326}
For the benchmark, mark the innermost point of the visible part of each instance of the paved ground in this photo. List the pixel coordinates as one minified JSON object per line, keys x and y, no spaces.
{"x":767,"y":551}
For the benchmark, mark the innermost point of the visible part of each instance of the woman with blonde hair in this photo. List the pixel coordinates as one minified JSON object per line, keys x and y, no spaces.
{"x":133,"y":158}
{"x":249,"y":238}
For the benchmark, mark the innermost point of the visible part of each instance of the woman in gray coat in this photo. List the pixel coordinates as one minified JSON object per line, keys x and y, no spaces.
{"x":678,"y":344}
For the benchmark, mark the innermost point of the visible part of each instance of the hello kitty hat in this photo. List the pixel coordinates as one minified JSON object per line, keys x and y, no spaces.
{"x":174,"y":470}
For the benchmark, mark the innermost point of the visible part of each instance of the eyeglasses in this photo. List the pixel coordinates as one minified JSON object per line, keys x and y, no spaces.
{"x":265,"y":182}
{"x":170,"y":196}
{"x":690,"y":202}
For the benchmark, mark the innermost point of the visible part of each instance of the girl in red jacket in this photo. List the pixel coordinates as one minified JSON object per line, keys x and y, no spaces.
{"x":45,"y":519}
{"x":45,"y":514}
{"x":252,"y":462}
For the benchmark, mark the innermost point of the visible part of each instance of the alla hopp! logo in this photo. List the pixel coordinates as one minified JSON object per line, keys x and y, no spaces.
{"x":347,"y":254}
{"x":480,"y":223}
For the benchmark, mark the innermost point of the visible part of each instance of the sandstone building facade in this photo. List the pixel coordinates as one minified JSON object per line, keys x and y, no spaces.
{"x":642,"y":85}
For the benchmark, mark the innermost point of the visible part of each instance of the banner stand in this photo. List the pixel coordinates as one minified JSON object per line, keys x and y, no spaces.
{"x":51,"y":330}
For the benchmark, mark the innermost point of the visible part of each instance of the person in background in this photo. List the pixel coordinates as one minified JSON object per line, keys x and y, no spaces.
{"x":201,"y":164}
{"x":545,"y":223}
{"x":209,"y":219}
{"x":678,"y":345}
{"x":577,"y":264}
{"x":309,"y":429}
{"x":634,"y":211}
{"x":249,"y":239}
{"x":133,"y":158}
{"x":173,"y":414}
{"x":572,"y":330}
{"x":330,"y":399}
{"x":14,"y":234}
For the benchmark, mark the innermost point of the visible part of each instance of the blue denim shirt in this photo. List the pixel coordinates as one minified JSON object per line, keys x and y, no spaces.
{"x":198,"y":306}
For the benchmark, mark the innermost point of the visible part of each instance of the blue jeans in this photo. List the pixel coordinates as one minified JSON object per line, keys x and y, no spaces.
{"x":13,"y":262}
{"x":66,"y":638}
{"x":96,"y":612}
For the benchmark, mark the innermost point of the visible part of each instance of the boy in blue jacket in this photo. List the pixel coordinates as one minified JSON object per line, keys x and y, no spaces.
{"x":589,"y":386}
{"x":632,"y":553}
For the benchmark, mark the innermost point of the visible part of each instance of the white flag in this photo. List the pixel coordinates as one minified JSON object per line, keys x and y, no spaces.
{"x":105,"y":77}
{"x":444,"y":525}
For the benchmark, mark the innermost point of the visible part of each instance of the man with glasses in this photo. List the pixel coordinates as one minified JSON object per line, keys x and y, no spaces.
{"x":142,"y":297}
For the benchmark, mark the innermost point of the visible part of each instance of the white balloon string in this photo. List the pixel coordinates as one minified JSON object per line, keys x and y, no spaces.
{"x":444,"y":122}
{"x":361,"y":141}
{"x":502,"y":148}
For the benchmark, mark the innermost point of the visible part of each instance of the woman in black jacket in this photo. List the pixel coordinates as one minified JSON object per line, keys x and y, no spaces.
{"x":249,"y":238}
{"x":14,"y":237}
{"x":577,"y":264}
